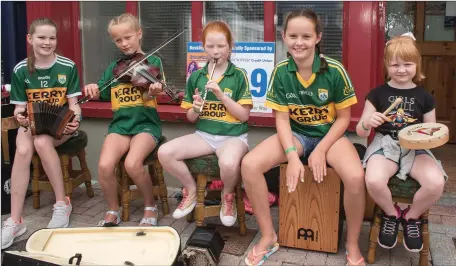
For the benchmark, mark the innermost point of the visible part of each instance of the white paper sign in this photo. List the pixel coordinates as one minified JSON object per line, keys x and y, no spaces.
{"x":257,"y":58}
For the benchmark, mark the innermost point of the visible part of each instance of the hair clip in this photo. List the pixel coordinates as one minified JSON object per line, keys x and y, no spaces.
{"x":407,"y":34}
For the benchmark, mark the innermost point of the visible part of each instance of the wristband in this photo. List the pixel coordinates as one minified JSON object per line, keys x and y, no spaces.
{"x":290,"y":149}
{"x":362,"y":124}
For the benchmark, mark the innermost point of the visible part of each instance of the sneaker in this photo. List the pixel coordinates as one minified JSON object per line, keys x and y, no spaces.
{"x":61,"y":215}
{"x":11,"y":230}
{"x":186,"y":205}
{"x":228,"y":212}
{"x":413,"y":237}
{"x":387,"y":238}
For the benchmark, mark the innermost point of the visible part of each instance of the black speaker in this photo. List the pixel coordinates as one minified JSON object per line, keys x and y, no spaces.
{"x":204,"y":247}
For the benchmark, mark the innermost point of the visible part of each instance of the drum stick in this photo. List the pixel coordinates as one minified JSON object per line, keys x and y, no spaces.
{"x":392,"y":106}
{"x":205,"y":92}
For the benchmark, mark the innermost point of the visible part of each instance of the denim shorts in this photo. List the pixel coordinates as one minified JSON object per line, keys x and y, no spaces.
{"x":309,"y":143}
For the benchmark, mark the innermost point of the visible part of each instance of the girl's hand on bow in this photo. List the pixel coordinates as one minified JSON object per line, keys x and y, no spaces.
{"x":214,"y":87}
{"x":155,"y":89}
{"x":317,"y":164}
{"x":92,"y":90}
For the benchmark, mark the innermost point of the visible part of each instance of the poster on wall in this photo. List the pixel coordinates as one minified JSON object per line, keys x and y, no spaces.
{"x":257,"y":58}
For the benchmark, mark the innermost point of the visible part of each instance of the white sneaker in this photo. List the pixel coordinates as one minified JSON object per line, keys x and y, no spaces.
{"x":228,"y":212}
{"x":11,"y":230}
{"x":186,"y":205}
{"x":61,"y":215}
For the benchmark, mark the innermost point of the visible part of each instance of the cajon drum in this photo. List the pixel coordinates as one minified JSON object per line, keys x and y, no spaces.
{"x":310,"y":217}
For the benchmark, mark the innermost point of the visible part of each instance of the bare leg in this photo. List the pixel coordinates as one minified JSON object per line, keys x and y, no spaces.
{"x":173,"y":153}
{"x":229,"y":156}
{"x":350,"y":170}
{"x":378,"y":171}
{"x":45,"y":147}
{"x":140,"y":147}
{"x":430,"y":177}
{"x":254,"y":165}
{"x":20,"y":174}
{"x":114,"y":147}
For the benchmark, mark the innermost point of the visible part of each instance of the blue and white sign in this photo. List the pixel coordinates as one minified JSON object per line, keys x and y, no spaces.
{"x":257,"y":58}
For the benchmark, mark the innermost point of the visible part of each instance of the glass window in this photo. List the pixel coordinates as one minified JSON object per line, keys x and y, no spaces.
{"x":400,"y":18}
{"x":438,"y":24}
{"x":98,"y":49}
{"x":246,"y":18}
{"x":331,"y":16}
{"x":160,"y":20}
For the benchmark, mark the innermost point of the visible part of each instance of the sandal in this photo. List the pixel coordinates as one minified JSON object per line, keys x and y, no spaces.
{"x":116,"y":222}
{"x":350,"y":262}
{"x":149,"y":221}
{"x":252,"y":256}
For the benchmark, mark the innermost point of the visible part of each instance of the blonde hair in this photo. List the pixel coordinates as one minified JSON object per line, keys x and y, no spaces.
{"x":126,"y":17}
{"x":405,"y":48}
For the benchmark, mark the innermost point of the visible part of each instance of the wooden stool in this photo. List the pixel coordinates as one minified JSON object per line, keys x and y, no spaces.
{"x":127,"y":194}
{"x":403,"y":192}
{"x":310,"y":217}
{"x":205,"y":169}
{"x":74,"y":147}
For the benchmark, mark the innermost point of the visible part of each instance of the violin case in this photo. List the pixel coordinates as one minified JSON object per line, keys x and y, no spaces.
{"x":131,"y":246}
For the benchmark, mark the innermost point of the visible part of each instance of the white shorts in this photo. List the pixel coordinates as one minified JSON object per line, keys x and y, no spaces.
{"x":215,"y":141}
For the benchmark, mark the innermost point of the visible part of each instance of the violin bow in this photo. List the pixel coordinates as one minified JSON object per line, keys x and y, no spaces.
{"x":123,"y":73}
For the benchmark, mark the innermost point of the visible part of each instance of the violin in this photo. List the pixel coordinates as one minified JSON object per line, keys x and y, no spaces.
{"x":142,"y":75}
{"x":131,"y":69}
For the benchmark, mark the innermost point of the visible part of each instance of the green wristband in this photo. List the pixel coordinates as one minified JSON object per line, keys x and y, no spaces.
{"x":362,"y":124}
{"x":290,"y":149}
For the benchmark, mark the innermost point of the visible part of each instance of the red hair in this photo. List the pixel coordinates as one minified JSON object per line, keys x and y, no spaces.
{"x":218,"y":26}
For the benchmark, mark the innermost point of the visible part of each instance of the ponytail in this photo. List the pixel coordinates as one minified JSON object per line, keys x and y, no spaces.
{"x":31,"y":62}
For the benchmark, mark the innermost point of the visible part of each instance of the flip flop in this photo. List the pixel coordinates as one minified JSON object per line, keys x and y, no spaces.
{"x":265,"y":255}
{"x":350,"y":262}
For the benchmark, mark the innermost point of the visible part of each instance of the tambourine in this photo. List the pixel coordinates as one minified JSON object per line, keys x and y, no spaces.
{"x":423,"y":136}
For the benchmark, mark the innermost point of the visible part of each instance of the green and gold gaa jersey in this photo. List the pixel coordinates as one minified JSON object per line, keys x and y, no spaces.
{"x":312,"y":103}
{"x":132,"y":115}
{"x":54,"y":84}
{"x":215,"y":118}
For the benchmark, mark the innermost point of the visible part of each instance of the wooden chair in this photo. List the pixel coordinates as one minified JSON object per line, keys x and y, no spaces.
{"x":403,"y":192}
{"x":205,"y":169}
{"x":74,"y":147}
{"x":128,"y":194}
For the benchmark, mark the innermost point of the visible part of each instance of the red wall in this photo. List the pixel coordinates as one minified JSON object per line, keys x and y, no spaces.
{"x":363,"y":41}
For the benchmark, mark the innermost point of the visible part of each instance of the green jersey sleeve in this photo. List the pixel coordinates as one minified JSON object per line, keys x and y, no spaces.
{"x":18,"y":89}
{"x":344,"y":93}
{"x":275,"y":96}
{"x":245,"y":97}
{"x":73,"y":87}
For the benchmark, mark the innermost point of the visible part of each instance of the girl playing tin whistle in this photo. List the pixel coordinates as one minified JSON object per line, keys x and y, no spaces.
{"x":221,"y":122}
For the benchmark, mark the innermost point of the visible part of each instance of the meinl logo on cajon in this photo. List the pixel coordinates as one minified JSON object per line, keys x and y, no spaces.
{"x":307,"y":234}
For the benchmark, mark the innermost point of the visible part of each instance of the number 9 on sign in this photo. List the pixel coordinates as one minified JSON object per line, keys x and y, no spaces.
{"x":259,"y":78}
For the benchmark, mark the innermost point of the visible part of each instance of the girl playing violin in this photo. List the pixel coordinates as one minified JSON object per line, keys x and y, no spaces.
{"x":33,"y":79}
{"x":221,"y":125}
{"x":135,"y":129}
